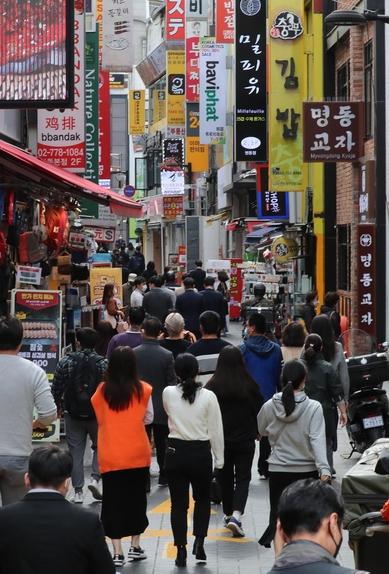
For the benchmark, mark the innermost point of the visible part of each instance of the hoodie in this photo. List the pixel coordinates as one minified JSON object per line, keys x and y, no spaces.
{"x":298,"y":441}
{"x":263,"y":360}
{"x":296,"y":556}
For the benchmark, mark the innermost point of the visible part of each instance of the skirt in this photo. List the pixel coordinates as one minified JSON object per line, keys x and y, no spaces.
{"x":124,"y":505}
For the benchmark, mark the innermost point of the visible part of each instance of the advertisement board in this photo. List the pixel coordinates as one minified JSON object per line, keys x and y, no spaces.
{"x":175,"y":87}
{"x":173,"y":206}
{"x":136,"y":100}
{"x":61,"y":132}
{"x":99,"y":276}
{"x":104,"y":127}
{"x":175,"y":20}
{"x":36,"y":54}
{"x":172,"y":182}
{"x":173,"y":151}
{"x":213,"y":103}
{"x":196,"y":153}
{"x":366,"y":277}
{"x":118,"y":34}
{"x":225,"y":21}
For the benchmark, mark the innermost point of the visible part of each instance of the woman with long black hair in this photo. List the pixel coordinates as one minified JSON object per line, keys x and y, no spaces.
{"x":295,"y":426}
{"x":195,"y":432}
{"x":123,"y":407}
{"x":240,"y":401}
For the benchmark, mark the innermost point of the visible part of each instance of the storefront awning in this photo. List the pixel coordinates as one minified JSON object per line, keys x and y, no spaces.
{"x":256,"y":236}
{"x":39,"y":172}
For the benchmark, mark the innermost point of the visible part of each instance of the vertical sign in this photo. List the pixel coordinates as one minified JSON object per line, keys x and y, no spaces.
{"x":118,"y":34}
{"x":196,"y":9}
{"x":137,"y":112}
{"x":61,"y":133}
{"x":88,"y":207}
{"x":213,"y":103}
{"x":225,"y":21}
{"x":175,"y":105}
{"x":175,"y":20}
{"x":196,"y":27}
{"x":159,"y":105}
{"x":286,"y":57}
{"x":250,"y":81}
{"x":104,"y":127}
{"x":366,"y":274}
{"x":196,"y":153}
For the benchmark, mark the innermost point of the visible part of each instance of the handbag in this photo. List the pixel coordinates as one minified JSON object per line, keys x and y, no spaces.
{"x":64,"y":259}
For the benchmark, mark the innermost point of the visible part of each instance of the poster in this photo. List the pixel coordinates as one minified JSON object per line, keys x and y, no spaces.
{"x":173,"y":151}
{"x":286,"y":57}
{"x":118,"y":34}
{"x":61,"y":132}
{"x":28,"y":275}
{"x":225,"y":21}
{"x":136,"y":100}
{"x":99,"y":276}
{"x":213,"y":103}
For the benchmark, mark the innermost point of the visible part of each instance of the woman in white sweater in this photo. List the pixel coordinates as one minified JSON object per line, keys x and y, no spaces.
{"x":195,"y":433}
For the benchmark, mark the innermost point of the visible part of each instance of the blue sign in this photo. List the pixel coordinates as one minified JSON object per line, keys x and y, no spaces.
{"x":129,"y":191}
{"x":272,"y":205}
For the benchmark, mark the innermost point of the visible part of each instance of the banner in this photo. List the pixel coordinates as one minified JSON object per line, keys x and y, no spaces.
{"x":196,"y":153}
{"x":225,"y":21}
{"x":175,"y":105}
{"x":104,"y":126}
{"x":159,"y":105}
{"x":137,"y":112}
{"x":250,"y":82}
{"x":92,"y":106}
{"x":213,"y":104}
{"x":175,"y":20}
{"x":286,"y":57}
{"x":366,"y":278}
{"x":118,"y":34}
{"x":61,"y":133}
{"x":99,"y":276}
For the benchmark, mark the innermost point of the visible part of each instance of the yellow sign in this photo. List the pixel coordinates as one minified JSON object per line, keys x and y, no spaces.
{"x":136,"y":99}
{"x":99,"y":276}
{"x":175,"y":88}
{"x":284,"y":248}
{"x":286,"y":57}
{"x":196,"y":154}
{"x":159,"y":105}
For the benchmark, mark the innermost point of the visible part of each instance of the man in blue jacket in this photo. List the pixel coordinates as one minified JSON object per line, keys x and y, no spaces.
{"x":263,"y":360}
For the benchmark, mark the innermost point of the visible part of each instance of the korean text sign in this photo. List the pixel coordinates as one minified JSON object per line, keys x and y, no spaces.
{"x":118,"y":35}
{"x":286,"y":57}
{"x":366,"y":274}
{"x":225,"y":21}
{"x":250,"y":81}
{"x":175,"y":20}
{"x":213,"y":103}
{"x":333,"y":131}
{"x":175,"y":104}
{"x":196,"y":153}
{"x":137,"y":112}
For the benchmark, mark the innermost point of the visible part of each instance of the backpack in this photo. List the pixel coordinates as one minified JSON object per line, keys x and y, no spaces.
{"x":84,"y":381}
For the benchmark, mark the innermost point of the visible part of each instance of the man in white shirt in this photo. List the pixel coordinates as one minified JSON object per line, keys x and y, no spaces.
{"x":23,"y":386}
{"x":136,"y":299}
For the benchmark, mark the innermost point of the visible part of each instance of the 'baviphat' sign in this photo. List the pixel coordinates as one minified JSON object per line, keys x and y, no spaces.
{"x":213,"y":90}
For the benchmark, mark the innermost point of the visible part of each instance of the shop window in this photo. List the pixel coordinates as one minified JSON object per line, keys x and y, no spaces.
{"x":344,"y":257}
{"x":368,"y":88}
{"x":343,"y":83}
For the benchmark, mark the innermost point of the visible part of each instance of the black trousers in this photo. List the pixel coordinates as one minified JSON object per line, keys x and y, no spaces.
{"x":160,"y":433}
{"x":235,"y":476}
{"x":264,"y":453}
{"x":189,"y":463}
{"x":278,"y":481}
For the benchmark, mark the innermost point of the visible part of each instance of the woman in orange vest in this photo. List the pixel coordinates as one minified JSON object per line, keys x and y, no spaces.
{"x":123,"y":407}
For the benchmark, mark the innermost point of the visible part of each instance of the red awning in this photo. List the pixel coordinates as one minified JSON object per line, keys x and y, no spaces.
{"x":47,"y":174}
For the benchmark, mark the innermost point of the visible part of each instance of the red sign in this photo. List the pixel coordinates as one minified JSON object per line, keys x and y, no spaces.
{"x":366,"y":273}
{"x":175,"y":20}
{"x":333,"y":131}
{"x":225,"y":21}
{"x":173,"y":205}
{"x":192,"y":82}
{"x":104,"y":126}
{"x":236,"y":280}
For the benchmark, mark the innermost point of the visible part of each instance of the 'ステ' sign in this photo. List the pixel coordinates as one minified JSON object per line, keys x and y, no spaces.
{"x":366,"y":272}
{"x":175,"y":20}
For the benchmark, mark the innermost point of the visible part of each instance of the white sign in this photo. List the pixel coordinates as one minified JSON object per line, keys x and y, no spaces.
{"x":213,"y":103}
{"x":28,"y":275}
{"x":61,"y":133}
{"x":118,"y":34}
{"x":172,"y":182}
{"x":103,"y":234}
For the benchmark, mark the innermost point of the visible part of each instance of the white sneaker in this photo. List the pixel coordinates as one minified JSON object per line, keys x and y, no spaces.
{"x":78,"y":497}
{"x":95,"y":490}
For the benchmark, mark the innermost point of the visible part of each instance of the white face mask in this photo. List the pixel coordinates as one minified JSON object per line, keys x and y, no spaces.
{"x":144,"y":287}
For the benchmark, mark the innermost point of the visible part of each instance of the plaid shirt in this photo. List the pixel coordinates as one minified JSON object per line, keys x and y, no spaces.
{"x":64,"y":372}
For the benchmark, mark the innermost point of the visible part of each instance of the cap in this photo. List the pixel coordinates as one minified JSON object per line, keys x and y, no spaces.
{"x":174,"y":323}
{"x":132,"y":277}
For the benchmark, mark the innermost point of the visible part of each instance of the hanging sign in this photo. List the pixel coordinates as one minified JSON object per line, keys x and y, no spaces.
{"x":173,"y":150}
{"x":118,"y":34}
{"x":213,"y":103}
{"x":137,"y":112}
{"x":175,"y":105}
{"x":272,"y":205}
{"x":175,"y":20}
{"x":196,"y":153}
{"x":366,"y":278}
{"x":104,"y":128}
{"x":172,"y":182}
{"x":173,"y":206}
{"x":225,"y":21}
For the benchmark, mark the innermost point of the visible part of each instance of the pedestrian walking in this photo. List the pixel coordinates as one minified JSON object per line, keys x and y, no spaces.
{"x":76,"y":379}
{"x":137,"y":295}
{"x":136,"y":263}
{"x":128,"y":288}
{"x":169,"y":285}
{"x":150,"y":271}
{"x":295,"y":426}
{"x":157,"y":302}
{"x":156,"y":367}
{"x":105,"y":332}
{"x":57,"y":535}
{"x":262,"y":358}
{"x":133,"y":336}
{"x":189,"y":304}
{"x":330,"y":308}
{"x":178,"y":339}
{"x":293,"y":339}
{"x":240,"y":402}
{"x":24,"y":387}
{"x":222,"y":287}
{"x":195,"y":431}
{"x":213,"y":301}
{"x":198,"y":274}
{"x":210,"y":342}
{"x":123,"y":407}
{"x":309,"y":309}
{"x":324,"y":386}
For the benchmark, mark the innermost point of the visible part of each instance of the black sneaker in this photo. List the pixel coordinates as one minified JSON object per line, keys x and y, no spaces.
{"x":136,"y":554}
{"x":118,"y":560}
{"x":162,"y":480}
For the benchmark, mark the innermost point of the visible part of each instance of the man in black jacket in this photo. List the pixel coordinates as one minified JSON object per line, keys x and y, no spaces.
{"x":213,"y":300}
{"x":189,"y":304}
{"x":198,"y":274}
{"x":44,"y":532}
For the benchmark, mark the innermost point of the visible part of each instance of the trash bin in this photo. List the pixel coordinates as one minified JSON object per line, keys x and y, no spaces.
{"x":364,"y":493}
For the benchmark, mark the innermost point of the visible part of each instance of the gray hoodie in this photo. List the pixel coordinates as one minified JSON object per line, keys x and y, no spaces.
{"x":298,"y":442}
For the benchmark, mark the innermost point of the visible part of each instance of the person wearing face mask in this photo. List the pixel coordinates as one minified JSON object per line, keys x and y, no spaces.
{"x":136,"y":299}
{"x":295,"y":427}
{"x":309,"y":530}
{"x":309,"y":309}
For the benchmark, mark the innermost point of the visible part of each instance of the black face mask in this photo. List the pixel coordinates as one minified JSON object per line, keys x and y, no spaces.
{"x":337,"y":546}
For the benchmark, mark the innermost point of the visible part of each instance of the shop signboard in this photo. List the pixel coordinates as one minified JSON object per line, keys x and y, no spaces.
{"x":286,"y":57}
{"x":196,"y":9}
{"x":104,"y":127}
{"x":118,"y":34}
{"x":236,"y":280}
{"x":182,"y":255}
{"x":196,"y":153}
{"x":61,"y":132}
{"x":366,"y":278}
{"x":41,"y":315}
{"x":103,"y":234}
{"x":272,"y":205}
{"x":159,"y":105}
{"x":225,"y":21}
{"x":173,"y":151}
{"x":195,"y":29}
{"x":175,"y":20}
{"x":36,"y":60}
{"x":175,"y":91}
{"x":284,"y":248}
{"x":99,"y":276}
{"x":172,"y":182}
{"x":137,"y":111}
{"x":213,"y":103}
{"x":333,"y":131}
{"x":173,"y":206}
{"x":250,"y":81}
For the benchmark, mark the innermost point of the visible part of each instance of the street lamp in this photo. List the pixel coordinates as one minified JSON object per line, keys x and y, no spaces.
{"x":353,"y":18}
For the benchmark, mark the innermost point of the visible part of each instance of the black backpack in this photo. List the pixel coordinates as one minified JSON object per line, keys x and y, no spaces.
{"x":85,"y":379}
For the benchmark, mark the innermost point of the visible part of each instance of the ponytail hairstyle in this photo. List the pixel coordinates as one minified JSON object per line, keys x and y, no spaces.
{"x":187,"y":368}
{"x":293,"y":374}
{"x":312,"y":348}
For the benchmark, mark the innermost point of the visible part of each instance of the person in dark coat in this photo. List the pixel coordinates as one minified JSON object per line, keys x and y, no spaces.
{"x":309,"y":309}
{"x":213,"y":300}
{"x":189,"y":304}
{"x":137,"y":262}
{"x":158,"y":301}
{"x":198,"y":274}
{"x":330,"y":308}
